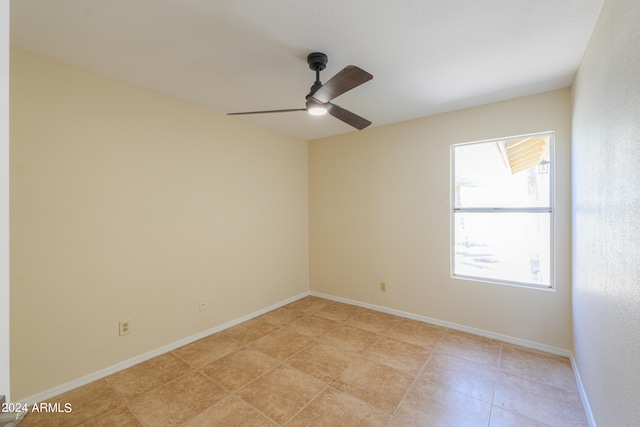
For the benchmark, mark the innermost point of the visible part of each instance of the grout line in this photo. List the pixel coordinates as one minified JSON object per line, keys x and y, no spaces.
{"x":495,"y":383}
{"x":256,"y":409}
{"x":126,"y":403}
{"x":307,"y":404}
{"x":424,"y":366}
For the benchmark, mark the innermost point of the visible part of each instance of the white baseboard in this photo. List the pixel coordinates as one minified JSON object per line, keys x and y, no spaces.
{"x":450,"y":325}
{"x":583,"y":393}
{"x":48,"y":394}
{"x":150,"y":355}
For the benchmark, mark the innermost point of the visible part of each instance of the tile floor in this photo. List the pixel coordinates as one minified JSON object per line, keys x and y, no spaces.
{"x":317,"y":362}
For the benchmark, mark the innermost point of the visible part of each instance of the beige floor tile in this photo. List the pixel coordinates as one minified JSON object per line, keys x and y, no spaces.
{"x":148,"y":375}
{"x":230,"y":412}
{"x":429,"y":404}
{"x":335,"y":408}
{"x":207,"y":350}
{"x":374,"y":321}
{"x":377,"y":384}
{"x":503,"y":418}
{"x":318,"y":362}
{"x":118,"y":417}
{"x":281,"y":392}
{"x":178,"y":401}
{"x":541,"y":367}
{"x":339,"y":312}
{"x":312,"y":326}
{"x":323,"y":361}
{"x":281,"y":316}
{"x":469,"y":347}
{"x":350,"y":338}
{"x":541,"y":402}
{"x":417,"y":333}
{"x":237,"y":369}
{"x":250,"y":330}
{"x":87,"y":402}
{"x":309,"y":304}
{"x":474,"y":379}
{"x":399,"y":355}
{"x":281,"y":344}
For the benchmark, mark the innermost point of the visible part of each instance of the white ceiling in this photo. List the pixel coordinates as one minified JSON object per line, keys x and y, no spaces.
{"x":426,"y":56}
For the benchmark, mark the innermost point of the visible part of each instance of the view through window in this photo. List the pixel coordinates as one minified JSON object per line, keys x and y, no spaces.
{"x":502,"y":210}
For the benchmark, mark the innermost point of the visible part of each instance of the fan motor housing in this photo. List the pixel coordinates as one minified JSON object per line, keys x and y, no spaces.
{"x":317,"y":61}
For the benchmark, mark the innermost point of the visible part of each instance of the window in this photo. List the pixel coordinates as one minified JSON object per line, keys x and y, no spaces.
{"x":502,"y":216}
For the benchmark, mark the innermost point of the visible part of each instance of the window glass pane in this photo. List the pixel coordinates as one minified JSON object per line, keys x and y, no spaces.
{"x":512,"y":247}
{"x":502,"y":174}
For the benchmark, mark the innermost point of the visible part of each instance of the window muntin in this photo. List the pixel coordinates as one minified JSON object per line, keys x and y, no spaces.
{"x":502,"y":217}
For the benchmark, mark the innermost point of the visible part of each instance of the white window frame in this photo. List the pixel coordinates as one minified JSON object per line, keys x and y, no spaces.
{"x":497,"y":210}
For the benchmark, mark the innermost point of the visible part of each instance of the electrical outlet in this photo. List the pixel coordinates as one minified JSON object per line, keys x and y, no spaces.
{"x":383,"y":286}
{"x":203,"y":304}
{"x":125,"y":327}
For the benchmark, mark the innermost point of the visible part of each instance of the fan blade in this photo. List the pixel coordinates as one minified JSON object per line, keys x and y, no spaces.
{"x":347,"y":116}
{"x":350,"y":77}
{"x":265,"y":112}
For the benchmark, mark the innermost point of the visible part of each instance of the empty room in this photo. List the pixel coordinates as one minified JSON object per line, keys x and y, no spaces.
{"x":296,"y":213}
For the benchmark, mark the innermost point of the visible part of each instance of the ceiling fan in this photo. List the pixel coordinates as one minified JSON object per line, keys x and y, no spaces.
{"x":319,"y":97}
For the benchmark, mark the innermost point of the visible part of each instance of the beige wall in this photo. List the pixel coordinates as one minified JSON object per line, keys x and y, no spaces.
{"x":127,"y":204}
{"x":606,"y":183}
{"x":380,"y":211}
{"x":4,"y":199}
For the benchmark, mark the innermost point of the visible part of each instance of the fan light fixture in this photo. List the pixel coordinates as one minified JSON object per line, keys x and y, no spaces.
{"x":315,"y":107}
{"x":317,"y":111}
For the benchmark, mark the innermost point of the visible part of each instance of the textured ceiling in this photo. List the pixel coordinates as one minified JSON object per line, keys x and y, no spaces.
{"x":426,"y":56}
